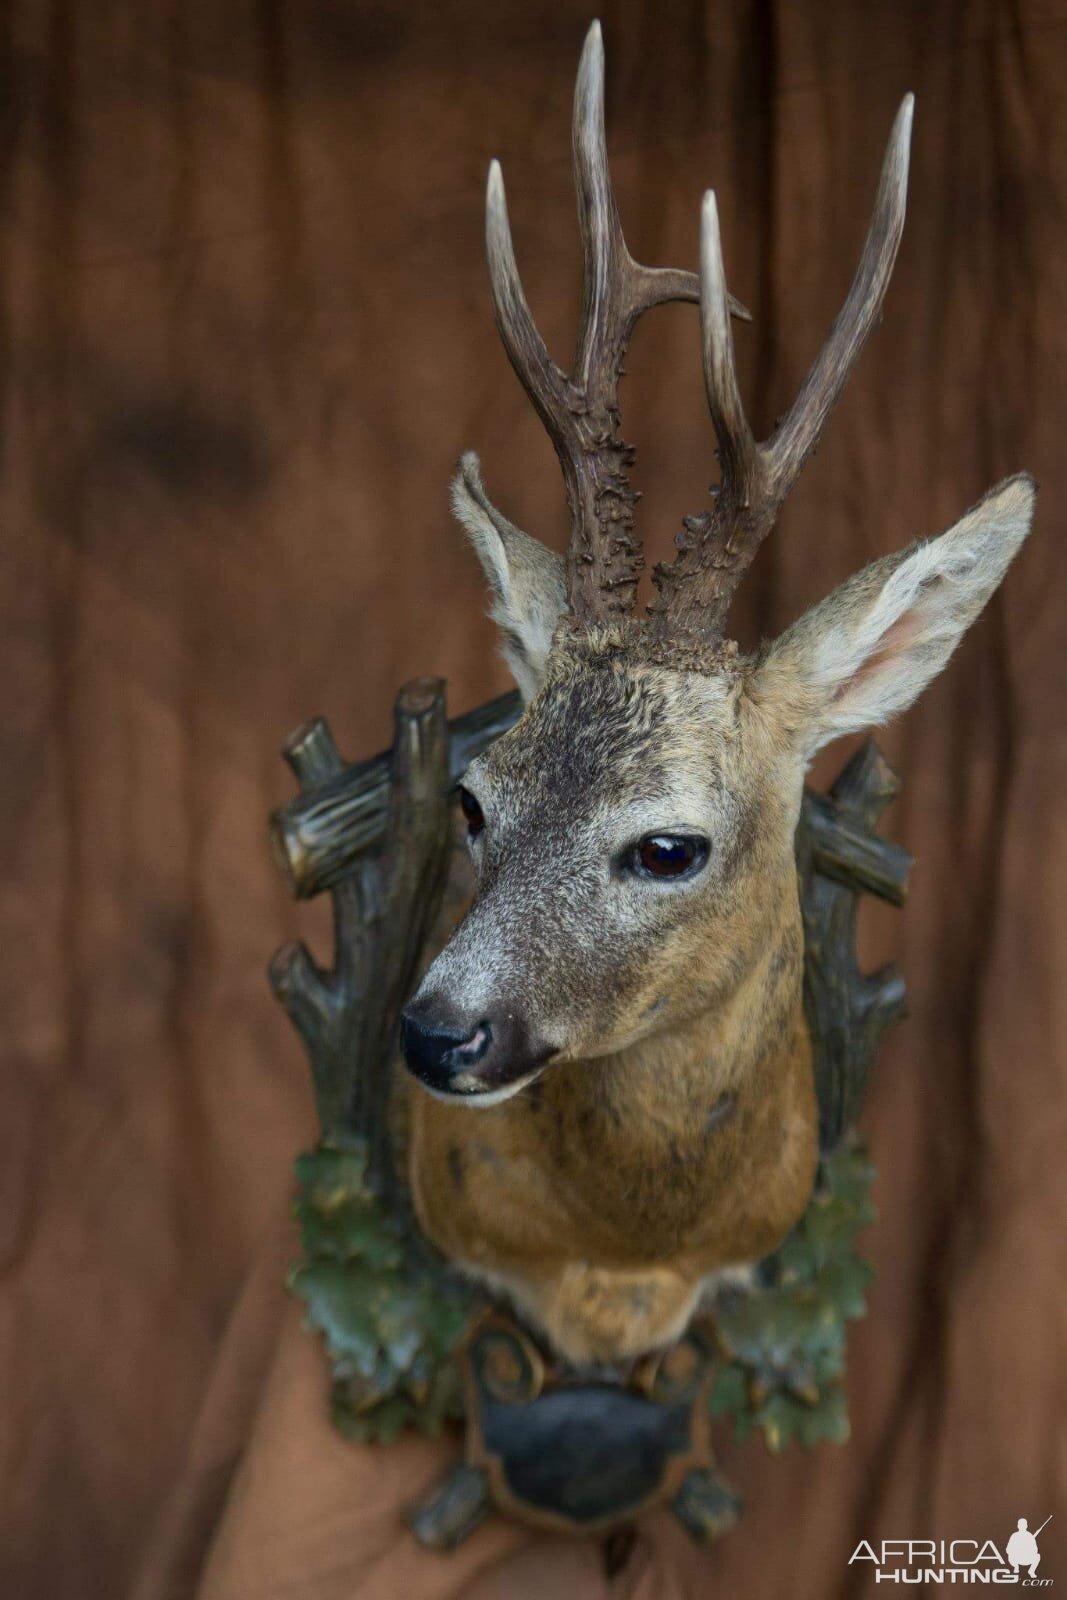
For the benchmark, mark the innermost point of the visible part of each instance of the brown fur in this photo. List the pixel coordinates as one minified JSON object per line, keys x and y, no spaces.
{"x":604,"y":1204}
{"x":604,"y":1196}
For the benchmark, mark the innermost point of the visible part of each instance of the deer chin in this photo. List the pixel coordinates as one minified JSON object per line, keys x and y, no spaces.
{"x":470,"y":1091}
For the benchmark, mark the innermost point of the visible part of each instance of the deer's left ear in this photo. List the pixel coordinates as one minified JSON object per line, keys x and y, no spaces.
{"x":869,"y":650}
{"x":526,"y":578}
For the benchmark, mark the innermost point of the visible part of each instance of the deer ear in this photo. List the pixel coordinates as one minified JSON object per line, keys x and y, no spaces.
{"x":869,"y":650}
{"x":526,"y":578}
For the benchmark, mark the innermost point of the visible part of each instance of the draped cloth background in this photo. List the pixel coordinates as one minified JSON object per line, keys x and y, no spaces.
{"x":246,"y":334}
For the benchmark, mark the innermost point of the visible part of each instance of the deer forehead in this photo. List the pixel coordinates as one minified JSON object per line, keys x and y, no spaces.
{"x":614,"y":740}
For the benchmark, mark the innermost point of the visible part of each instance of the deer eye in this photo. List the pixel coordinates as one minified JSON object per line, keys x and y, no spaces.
{"x":668,"y":855}
{"x":473,"y":813}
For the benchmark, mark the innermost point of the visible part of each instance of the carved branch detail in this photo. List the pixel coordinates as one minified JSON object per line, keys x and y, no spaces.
{"x":320,"y":835}
{"x":383,"y":911}
{"x":838,"y":857}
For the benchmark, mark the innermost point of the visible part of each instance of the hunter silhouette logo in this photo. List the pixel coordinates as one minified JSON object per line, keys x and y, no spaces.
{"x":1022,"y":1547}
{"x":957,"y":1560}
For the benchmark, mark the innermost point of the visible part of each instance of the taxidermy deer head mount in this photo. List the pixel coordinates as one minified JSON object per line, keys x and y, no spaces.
{"x":635,"y":941}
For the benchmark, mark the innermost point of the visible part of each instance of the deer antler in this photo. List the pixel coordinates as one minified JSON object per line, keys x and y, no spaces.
{"x":716,"y":548}
{"x":580,"y":409}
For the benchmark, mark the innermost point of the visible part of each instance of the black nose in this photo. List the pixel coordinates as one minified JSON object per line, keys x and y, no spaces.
{"x":454,"y":1055}
{"x":439,"y":1056}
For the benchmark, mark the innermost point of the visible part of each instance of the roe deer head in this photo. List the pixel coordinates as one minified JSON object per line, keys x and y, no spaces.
{"x":623,"y":998}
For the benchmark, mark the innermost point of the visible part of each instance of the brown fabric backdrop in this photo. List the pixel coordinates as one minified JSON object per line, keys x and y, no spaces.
{"x":246,"y":334}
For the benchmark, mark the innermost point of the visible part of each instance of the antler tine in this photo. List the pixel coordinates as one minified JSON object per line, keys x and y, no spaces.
{"x":739,"y":453}
{"x":526,"y":350}
{"x":580,"y":410}
{"x":606,"y":259}
{"x":716,"y":548}
{"x":616,"y":289}
{"x":798,"y":433}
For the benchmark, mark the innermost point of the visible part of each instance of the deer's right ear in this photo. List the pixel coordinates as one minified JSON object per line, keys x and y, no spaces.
{"x":526,"y":578}
{"x":870,"y":648}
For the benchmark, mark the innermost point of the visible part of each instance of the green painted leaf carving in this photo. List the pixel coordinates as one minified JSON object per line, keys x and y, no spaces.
{"x":785,"y":1338}
{"x":389,"y":1311}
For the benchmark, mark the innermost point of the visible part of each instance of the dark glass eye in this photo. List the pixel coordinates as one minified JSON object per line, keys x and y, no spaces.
{"x":473,"y":813}
{"x":669,"y":855}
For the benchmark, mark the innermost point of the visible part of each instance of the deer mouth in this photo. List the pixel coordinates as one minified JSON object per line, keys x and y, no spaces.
{"x":478,"y":1094}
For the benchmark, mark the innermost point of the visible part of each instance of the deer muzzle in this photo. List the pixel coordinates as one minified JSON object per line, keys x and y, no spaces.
{"x":486,"y":1060}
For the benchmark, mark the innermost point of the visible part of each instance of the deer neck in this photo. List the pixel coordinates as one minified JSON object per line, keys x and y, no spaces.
{"x":678,"y":1087}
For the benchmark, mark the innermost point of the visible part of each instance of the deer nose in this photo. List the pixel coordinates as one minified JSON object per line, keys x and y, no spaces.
{"x":461,"y":1059}
{"x":442,"y":1057}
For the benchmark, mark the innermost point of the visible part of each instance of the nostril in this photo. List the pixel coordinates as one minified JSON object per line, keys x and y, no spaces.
{"x":474,"y":1048}
{"x":435,"y":1054}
